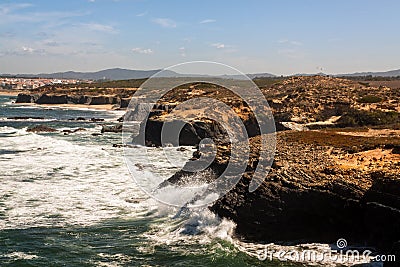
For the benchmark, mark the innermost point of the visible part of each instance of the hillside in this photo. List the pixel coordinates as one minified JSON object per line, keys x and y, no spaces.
{"x":310,"y":99}
{"x":108,"y":74}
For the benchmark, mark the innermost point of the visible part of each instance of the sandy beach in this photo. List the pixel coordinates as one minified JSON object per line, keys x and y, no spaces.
{"x":10,"y":92}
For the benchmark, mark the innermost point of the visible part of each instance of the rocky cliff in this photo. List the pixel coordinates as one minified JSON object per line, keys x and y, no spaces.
{"x":309,"y":195}
{"x":72,"y":99}
{"x":323,"y":184}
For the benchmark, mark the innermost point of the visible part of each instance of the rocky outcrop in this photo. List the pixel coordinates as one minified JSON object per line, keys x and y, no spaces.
{"x":41,"y":128}
{"x":26,"y":98}
{"x":72,"y":99}
{"x":307,"y":197}
{"x":68,"y":131}
{"x":111,"y":128}
{"x":52,"y":99}
{"x":306,"y":99}
{"x":191,"y":134}
{"x":382,"y":201}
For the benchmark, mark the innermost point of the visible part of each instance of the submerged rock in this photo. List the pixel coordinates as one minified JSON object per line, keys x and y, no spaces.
{"x":41,"y":128}
{"x":111,"y":128}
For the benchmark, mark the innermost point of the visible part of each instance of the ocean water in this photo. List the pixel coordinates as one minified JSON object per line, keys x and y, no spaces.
{"x":69,"y":200}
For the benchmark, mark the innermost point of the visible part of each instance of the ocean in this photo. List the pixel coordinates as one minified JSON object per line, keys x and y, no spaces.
{"x":69,"y":200}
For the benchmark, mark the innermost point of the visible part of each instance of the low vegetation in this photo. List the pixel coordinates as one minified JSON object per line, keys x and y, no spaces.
{"x":355,"y":117}
{"x":370,"y":99}
{"x":348,"y":143}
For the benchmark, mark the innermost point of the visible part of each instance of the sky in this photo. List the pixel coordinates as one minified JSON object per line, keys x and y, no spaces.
{"x":282,"y":37}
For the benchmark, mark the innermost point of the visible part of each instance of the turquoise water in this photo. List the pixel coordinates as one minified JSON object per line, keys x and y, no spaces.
{"x":69,"y":200}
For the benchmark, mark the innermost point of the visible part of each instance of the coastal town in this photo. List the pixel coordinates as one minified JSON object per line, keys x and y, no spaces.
{"x":12,"y":83}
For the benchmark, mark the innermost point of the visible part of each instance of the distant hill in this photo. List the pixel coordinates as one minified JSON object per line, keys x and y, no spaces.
{"x":126,"y":74}
{"x":391,"y":73}
{"x":261,"y":75}
{"x":310,"y":74}
{"x":108,"y":74}
{"x":121,"y":74}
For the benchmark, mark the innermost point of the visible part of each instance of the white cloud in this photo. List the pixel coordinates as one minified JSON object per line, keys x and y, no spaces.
{"x":224,"y":47}
{"x":51,"y":43}
{"x":92,"y":1}
{"x":207,"y":21}
{"x":28,"y":49}
{"x":8,"y":8}
{"x":182,"y":51}
{"x":219,"y":45}
{"x":290,"y":42}
{"x":166,"y":23}
{"x":48,"y":18}
{"x":139,"y":50}
{"x":141,"y":14}
{"x":99,"y":27}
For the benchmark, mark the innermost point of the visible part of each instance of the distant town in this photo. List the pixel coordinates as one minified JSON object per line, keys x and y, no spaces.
{"x":32,"y":83}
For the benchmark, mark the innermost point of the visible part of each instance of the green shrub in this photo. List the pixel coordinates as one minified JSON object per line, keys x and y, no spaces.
{"x":370,"y":99}
{"x":354,"y":117}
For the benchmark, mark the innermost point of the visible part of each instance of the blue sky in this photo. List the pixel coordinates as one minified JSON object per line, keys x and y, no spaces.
{"x":280,"y":37}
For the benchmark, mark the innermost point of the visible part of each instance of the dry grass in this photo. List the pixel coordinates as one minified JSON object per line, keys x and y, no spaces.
{"x":345,"y":142}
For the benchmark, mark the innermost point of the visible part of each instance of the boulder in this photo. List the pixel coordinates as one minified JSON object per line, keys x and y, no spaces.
{"x":111,"y":128}
{"x":41,"y":128}
{"x":26,"y":98}
{"x":52,"y":99}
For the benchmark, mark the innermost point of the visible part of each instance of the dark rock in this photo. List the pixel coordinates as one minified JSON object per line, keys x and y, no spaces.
{"x":303,"y":201}
{"x":125,"y":102}
{"x":382,"y":200}
{"x":98,"y":100}
{"x":111,"y":128}
{"x":190,"y":135}
{"x":396,"y":150}
{"x":72,"y":99}
{"x":73,"y":131}
{"x":26,"y":98}
{"x":96,"y":119}
{"x":52,"y":99}
{"x":41,"y":128}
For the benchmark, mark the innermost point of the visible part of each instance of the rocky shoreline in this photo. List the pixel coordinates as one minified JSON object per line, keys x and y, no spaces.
{"x":44,"y":98}
{"x":308,"y":197}
{"x":324,"y":184}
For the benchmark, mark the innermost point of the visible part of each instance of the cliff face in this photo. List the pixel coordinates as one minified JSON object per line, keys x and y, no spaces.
{"x":309,"y":196}
{"x":324,"y":184}
{"x":72,"y":99}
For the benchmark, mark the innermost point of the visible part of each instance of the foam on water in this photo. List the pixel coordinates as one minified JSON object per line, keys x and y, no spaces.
{"x":58,"y":182}
{"x":51,"y":180}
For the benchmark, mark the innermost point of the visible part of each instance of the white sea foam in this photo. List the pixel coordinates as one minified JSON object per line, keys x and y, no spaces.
{"x":21,"y":256}
{"x":55,"y":181}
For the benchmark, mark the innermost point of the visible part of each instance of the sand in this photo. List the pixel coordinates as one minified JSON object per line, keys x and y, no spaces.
{"x":9,"y":92}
